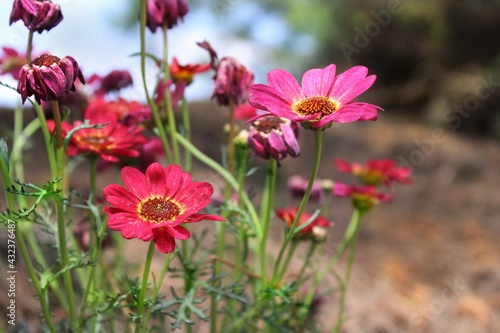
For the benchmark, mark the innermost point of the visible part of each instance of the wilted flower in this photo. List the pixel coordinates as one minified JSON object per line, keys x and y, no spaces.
{"x":298,"y":185}
{"x":49,"y":78}
{"x":375,"y":172}
{"x":315,"y":230}
{"x":109,"y":142}
{"x":165,"y":13}
{"x":323,"y":98}
{"x":187,"y":72}
{"x":154,"y":205}
{"x":273,"y":137}
{"x":113,"y":81}
{"x":363,"y":197}
{"x":232,"y":79}
{"x":37,"y":15}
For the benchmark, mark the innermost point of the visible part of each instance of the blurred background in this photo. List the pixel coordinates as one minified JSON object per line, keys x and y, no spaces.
{"x":426,"y":263}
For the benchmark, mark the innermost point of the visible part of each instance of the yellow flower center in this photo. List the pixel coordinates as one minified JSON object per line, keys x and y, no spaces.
{"x":158,"y":210}
{"x":317,"y":104}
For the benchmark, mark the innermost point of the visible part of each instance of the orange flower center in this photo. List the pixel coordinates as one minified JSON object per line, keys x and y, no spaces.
{"x":317,"y":104}
{"x":94,"y":140}
{"x":267,"y":124}
{"x":45,"y":60}
{"x":158,"y":210}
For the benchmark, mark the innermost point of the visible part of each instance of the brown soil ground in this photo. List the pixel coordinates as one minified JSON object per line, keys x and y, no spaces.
{"x":427,"y":263}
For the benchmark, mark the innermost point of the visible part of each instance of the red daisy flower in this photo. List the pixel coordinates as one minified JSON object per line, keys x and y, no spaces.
{"x":109,"y":142}
{"x":315,"y":230}
{"x":363,"y":197}
{"x":155,"y":204}
{"x":323,"y":98}
{"x":375,"y":172}
{"x":187,"y":72}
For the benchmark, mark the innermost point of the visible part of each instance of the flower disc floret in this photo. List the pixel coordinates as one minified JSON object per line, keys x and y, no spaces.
{"x":158,"y":210}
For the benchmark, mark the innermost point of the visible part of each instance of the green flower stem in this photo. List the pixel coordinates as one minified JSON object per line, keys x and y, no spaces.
{"x":350,"y":261}
{"x":61,"y":225}
{"x":47,"y":139}
{"x":151,"y":103}
{"x":313,"y":245}
{"x":266,"y":208}
{"x":350,"y":233}
{"x":156,"y":291}
{"x":228,"y":177}
{"x":186,"y":123}
{"x":168,"y":98}
{"x":288,"y":259}
{"x":57,"y":121}
{"x":30,"y":47}
{"x":16,"y":161}
{"x":24,"y":251}
{"x":318,"y":142}
{"x":232,"y":133}
{"x":144,"y":286}
{"x":94,"y":238}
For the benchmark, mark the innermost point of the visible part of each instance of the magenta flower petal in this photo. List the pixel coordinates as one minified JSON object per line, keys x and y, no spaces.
{"x":285,"y":84}
{"x":174,"y":179}
{"x":323,"y":98}
{"x":319,"y":82}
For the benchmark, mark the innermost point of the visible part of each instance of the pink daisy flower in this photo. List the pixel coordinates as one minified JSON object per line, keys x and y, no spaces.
{"x":154,"y":205}
{"x":323,"y":98}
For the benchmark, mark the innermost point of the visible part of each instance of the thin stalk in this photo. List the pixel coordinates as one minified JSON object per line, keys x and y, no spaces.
{"x":228,"y":177}
{"x":318,"y":142}
{"x":29,"y":47}
{"x":151,"y":103}
{"x":350,"y":261}
{"x":266,"y":208}
{"x":168,"y":98}
{"x":144,"y":286}
{"x":57,"y":121}
{"x":312,"y":248}
{"x":288,"y":259}
{"x":349,"y":235}
{"x":24,"y":251}
{"x":61,"y":225}
{"x":156,"y":291}
{"x":186,"y":123}
{"x":47,"y":139}
{"x":230,"y":143}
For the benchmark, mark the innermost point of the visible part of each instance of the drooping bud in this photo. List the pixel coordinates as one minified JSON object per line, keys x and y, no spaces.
{"x":274,"y":137}
{"x":165,"y":13}
{"x":49,"y":78}
{"x":37,"y":15}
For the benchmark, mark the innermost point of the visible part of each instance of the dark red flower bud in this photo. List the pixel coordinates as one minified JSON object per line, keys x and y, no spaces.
{"x":165,"y":13}
{"x":49,"y":78}
{"x":37,"y":15}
